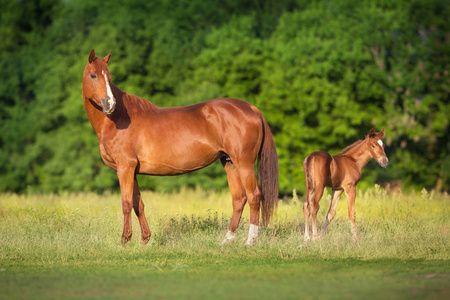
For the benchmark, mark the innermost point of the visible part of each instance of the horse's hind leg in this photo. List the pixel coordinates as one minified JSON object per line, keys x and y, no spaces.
{"x":250,"y":184}
{"x":332,"y":211}
{"x":138,"y":206}
{"x":238,"y":197}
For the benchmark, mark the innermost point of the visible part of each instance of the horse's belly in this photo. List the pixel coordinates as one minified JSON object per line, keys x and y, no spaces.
{"x":176,"y":165}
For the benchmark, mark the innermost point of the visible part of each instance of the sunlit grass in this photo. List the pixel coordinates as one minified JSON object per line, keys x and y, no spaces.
{"x":85,"y":228}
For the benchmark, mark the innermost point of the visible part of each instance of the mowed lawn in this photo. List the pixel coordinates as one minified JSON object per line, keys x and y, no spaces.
{"x":66,"y":247}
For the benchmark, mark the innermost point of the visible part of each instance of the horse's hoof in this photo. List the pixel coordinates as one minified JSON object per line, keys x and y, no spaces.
{"x":227,"y":241}
{"x":250,"y":242}
{"x":229,"y":238}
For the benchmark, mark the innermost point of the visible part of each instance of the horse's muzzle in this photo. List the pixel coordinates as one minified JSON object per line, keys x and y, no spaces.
{"x":383,"y":162}
{"x":108,"y":105}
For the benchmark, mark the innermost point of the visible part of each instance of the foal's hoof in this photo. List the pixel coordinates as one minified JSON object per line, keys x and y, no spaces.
{"x":144,"y":241}
{"x":124,"y":240}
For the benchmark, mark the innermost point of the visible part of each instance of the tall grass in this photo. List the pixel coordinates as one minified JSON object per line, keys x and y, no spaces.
{"x":77,"y":229}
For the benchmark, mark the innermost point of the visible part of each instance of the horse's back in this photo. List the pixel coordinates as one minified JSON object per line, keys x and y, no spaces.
{"x":233,"y":106}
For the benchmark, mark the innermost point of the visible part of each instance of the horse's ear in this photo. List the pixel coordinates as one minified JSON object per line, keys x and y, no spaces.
{"x":106,"y":59}
{"x":371,"y":133}
{"x":92,"y":56}
{"x":381,"y":134}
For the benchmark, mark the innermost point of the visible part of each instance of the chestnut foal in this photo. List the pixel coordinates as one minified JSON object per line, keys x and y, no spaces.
{"x":342,"y":173}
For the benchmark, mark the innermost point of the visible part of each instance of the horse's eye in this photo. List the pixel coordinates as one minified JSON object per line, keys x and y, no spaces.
{"x":93,"y":76}
{"x":373,"y":146}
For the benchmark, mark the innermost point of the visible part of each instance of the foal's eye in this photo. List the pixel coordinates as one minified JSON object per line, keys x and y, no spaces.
{"x":93,"y":76}
{"x":373,"y":146}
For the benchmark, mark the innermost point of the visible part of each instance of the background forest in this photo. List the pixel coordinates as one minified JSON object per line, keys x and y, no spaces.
{"x":322,"y":72}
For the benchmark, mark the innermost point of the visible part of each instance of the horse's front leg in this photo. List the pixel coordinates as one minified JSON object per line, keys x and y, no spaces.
{"x":138,"y":206}
{"x":350,"y":192}
{"x":126,"y":179}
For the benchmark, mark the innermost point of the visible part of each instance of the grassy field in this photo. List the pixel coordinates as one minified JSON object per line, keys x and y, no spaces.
{"x":66,"y":247}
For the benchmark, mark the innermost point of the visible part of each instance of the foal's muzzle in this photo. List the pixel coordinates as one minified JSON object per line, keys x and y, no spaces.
{"x":383,"y":162}
{"x":108,"y":105}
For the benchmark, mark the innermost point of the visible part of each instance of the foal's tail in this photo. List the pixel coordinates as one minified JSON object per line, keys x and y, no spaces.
{"x":308,"y":169}
{"x":268,"y":173}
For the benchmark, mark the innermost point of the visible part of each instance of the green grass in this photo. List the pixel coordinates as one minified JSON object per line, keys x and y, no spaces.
{"x":66,"y":246}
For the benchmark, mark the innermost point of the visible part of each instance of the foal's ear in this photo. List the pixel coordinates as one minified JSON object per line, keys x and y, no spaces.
{"x":106,"y":59}
{"x":371,"y":133}
{"x":92,"y":56}
{"x":381,"y":134}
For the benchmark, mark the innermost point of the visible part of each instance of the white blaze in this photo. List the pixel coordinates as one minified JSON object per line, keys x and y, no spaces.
{"x":380,"y":142}
{"x":108,"y":90}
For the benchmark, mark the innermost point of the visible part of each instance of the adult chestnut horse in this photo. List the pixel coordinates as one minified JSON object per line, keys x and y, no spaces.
{"x":137,"y":137}
{"x":341,"y":172}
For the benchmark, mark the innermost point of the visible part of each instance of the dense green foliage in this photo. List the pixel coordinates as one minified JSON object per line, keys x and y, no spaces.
{"x":322,"y":72}
{"x":65,"y":247}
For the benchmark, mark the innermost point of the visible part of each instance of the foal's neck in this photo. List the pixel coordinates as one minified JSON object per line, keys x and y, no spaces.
{"x":359,"y":154}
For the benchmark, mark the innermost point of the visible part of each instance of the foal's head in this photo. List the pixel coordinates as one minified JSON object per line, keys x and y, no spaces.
{"x":96,"y":83}
{"x":376,"y":147}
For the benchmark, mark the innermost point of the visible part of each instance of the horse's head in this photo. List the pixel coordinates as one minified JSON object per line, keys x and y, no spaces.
{"x":96,"y":83}
{"x":376,"y":147}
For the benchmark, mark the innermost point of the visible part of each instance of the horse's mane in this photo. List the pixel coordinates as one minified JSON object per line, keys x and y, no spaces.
{"x":139,"y":103}
{"x":348,"y":148}
{"x":143,"y":104}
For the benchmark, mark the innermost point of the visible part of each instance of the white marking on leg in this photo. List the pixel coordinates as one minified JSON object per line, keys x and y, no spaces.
{"x":306,"y":237}
{"x":229,"y":237}
{"x":380,"y":142}
{"x":252,"y":234}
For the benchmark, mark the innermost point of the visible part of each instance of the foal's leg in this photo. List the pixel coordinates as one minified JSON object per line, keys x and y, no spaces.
{"x":126,"y":180}
{"x":314,"y":207}
{"x":250,"y":184}
{"x":238,"y":197}
{"x":307,"y":212}
{"x":138,"y":206}
{"x":332,"y":211}
{"x":350,"y":192}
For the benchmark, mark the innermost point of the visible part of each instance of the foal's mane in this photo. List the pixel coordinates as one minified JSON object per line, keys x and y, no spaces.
{"x":348,"y":148}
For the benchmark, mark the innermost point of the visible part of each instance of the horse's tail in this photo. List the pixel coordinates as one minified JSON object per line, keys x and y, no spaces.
{"x":268,"y":173}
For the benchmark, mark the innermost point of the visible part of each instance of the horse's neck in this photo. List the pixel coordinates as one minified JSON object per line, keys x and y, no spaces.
{"x":358,"y":154}
{"x":95,"y":115}
{"x":98,"y":118}
{"x":126,"y":106}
